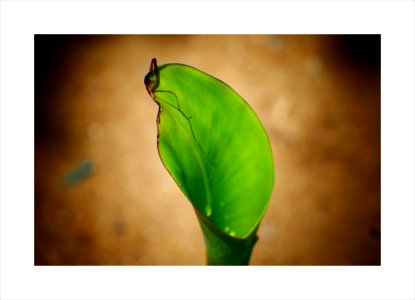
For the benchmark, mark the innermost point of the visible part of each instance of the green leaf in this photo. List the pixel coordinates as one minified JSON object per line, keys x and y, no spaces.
{"x":215,"y":148}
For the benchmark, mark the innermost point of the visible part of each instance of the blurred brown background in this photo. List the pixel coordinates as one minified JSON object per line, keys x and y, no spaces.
{"x":103,"y":197}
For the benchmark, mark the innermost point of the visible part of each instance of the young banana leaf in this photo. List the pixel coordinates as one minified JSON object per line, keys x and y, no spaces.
{"x":215,"y":148}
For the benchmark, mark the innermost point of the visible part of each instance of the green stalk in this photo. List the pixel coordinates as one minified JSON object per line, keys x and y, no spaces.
{"x":223,"y":249}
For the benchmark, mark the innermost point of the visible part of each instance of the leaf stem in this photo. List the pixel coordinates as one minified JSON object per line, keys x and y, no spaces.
{"x":223,"y":249}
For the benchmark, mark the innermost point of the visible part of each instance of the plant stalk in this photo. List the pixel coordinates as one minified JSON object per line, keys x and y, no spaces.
{"x":223,"y":249}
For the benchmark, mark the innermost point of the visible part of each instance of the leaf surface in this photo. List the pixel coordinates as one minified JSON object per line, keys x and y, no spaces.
{"x":214,"y":146}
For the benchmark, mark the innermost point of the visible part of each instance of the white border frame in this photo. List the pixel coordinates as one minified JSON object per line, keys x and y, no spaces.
{"x":20,"y":20}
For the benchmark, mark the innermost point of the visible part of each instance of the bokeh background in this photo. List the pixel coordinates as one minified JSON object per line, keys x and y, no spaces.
{"x":103,"y":197}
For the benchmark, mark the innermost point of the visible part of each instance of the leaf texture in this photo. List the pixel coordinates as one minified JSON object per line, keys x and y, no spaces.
{"x":214,"y":146}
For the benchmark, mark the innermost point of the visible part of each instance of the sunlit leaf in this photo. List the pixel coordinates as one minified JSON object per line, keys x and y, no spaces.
{"x":216,"y":149}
